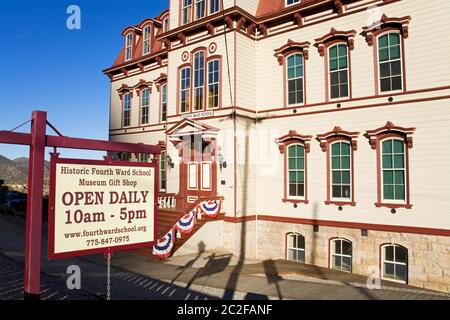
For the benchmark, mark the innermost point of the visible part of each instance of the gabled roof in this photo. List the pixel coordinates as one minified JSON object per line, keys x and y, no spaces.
{"x":187,"y":126}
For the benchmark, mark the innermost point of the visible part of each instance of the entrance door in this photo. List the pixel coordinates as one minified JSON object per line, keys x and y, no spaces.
{"x":200,"y":171}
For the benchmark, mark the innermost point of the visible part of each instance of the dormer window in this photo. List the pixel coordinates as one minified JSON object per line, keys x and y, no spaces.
{"x":166,"y":25}
{"x":129,"y":47}
{"x":291,"y":2}
{"x":187,"y":11}
{"x":147,"y":40}
{"x":199,"y":9}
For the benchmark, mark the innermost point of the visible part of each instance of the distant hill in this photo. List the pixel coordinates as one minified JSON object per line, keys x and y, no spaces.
{"x":16,"y":171}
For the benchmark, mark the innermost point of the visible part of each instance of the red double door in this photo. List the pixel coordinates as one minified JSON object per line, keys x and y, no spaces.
{"x":198,"y":171}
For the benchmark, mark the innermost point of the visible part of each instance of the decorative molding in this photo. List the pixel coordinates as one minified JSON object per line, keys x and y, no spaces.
{"x":125,"y":89}
{"x":182,"y":38}
{"x":212,"y":48}
{"x":402,"y":24}
{"x":264,"y":30}
{"x":211,"y":29}
{"x":338,"y":132}
{"x":303,"y":47}
{"x":230,"y":22}
{"x":340,"y":8}
{"x":240,"y":23}
{"x":347,"y":36}
{"x":251,"y":28}
{"x":160,"y":81}
{"x":143,"y":85}
{"x":294,"y":136}
{"x":390,"y":127}
{"x":298,"y":19}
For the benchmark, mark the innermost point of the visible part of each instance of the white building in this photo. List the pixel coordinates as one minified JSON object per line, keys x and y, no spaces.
{"x":321,"y":123}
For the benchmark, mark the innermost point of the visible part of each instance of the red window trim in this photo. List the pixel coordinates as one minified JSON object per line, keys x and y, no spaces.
{"x":375,"y":138}
{"x":160,"y":101}
{"x":330,"y":253}
{"x":193,"y":53}
{"x":207,"y":14}
{"x":379,"y":28}
{"x":124,"y":89}
{"x":327,"y":41}
{"x":282,"y":54}
{"x":326,"y":140}
{"x":142,"y":85}
{"x":283,"y":143}
{"x":208,"y":60}
{"x":181,"y":68}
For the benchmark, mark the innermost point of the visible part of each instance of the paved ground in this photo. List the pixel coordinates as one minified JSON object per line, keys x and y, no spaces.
{"x":210,"y":275}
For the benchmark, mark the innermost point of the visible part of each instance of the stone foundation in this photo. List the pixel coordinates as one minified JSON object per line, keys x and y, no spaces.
{"x":428,"y":256}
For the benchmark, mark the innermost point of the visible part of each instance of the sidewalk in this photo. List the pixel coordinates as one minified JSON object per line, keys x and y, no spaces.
{"x":264,"y":280}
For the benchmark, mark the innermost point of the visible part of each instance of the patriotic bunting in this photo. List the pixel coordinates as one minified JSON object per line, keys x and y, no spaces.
{"x":163,"y":248}
{"x":210,"y":208}
{"x":187,"y":223}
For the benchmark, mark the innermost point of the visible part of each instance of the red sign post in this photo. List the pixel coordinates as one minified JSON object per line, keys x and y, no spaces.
{"x":37,"y":140}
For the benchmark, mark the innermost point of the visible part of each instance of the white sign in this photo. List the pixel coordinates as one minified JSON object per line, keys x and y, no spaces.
{"x":198,"y":115}
{"x":96,"y":206}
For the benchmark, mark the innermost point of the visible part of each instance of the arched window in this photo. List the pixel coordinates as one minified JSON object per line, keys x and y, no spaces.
{"x":338,"y":69}
{"x":394,"y":170}
{"x":341,"y":254}
{"x":390,"y":62}
{"x":392,"y":144}
{"x":199,"y":80}
{"x":129,"y":46}
{"x":296,"y":247}
{"x":341,"y":171}
{"x":166,"y":25}
{"x":295,"y":76}
{"x":126,"y":119}
{"x":145,"y":106}
{"x":394,"y":263}
{"x":296,"y":171}
{"x":185,"y":90}
{"x":162,"y":172}
{"x":147,"y":40}
{"x":213,"y":84}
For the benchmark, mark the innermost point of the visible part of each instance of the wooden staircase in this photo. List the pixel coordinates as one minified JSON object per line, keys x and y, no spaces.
{"x":167,"y":218}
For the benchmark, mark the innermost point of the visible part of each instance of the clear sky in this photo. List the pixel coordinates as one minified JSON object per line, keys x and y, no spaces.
{"x":45,"y":66}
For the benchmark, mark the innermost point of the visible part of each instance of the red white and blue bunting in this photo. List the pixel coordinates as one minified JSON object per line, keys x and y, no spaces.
{"x":163,"y":248}
{"x":187,"y":223}
{"x":211,"y":208}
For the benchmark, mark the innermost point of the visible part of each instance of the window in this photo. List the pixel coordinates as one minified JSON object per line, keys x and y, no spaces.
{"x":395,"y":263}
{"x":199,"y":80}
{"x":187,"y":11}
{"x":185,"y":91}
{"x":145,"y":105}
{"x":147,"y":40}
{"x":129,"y":47}
{"x":341,"y":171}
{"x":296,"y":247}
{"x":164,"y":103}
{"x":144,"y":157}
{"x":295,"y":78}
{"x":291,"y":2}
{"x":199,"y":9}
{"x":341,"y":255}
{"x":166,"y":26}
{"x":296,"y":171}
{"x":214,"y":6}
{"x":390,"y":62}
{"x":392,"y":144}
{"x":338,"y":70}
{"x":127,"y":109}
{"x":162,"y":172}
{"x":394,"y":173}
{"x":213,"y":84}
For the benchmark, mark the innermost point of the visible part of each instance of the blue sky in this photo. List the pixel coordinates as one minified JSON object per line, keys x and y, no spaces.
{"x":46,"y":66}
